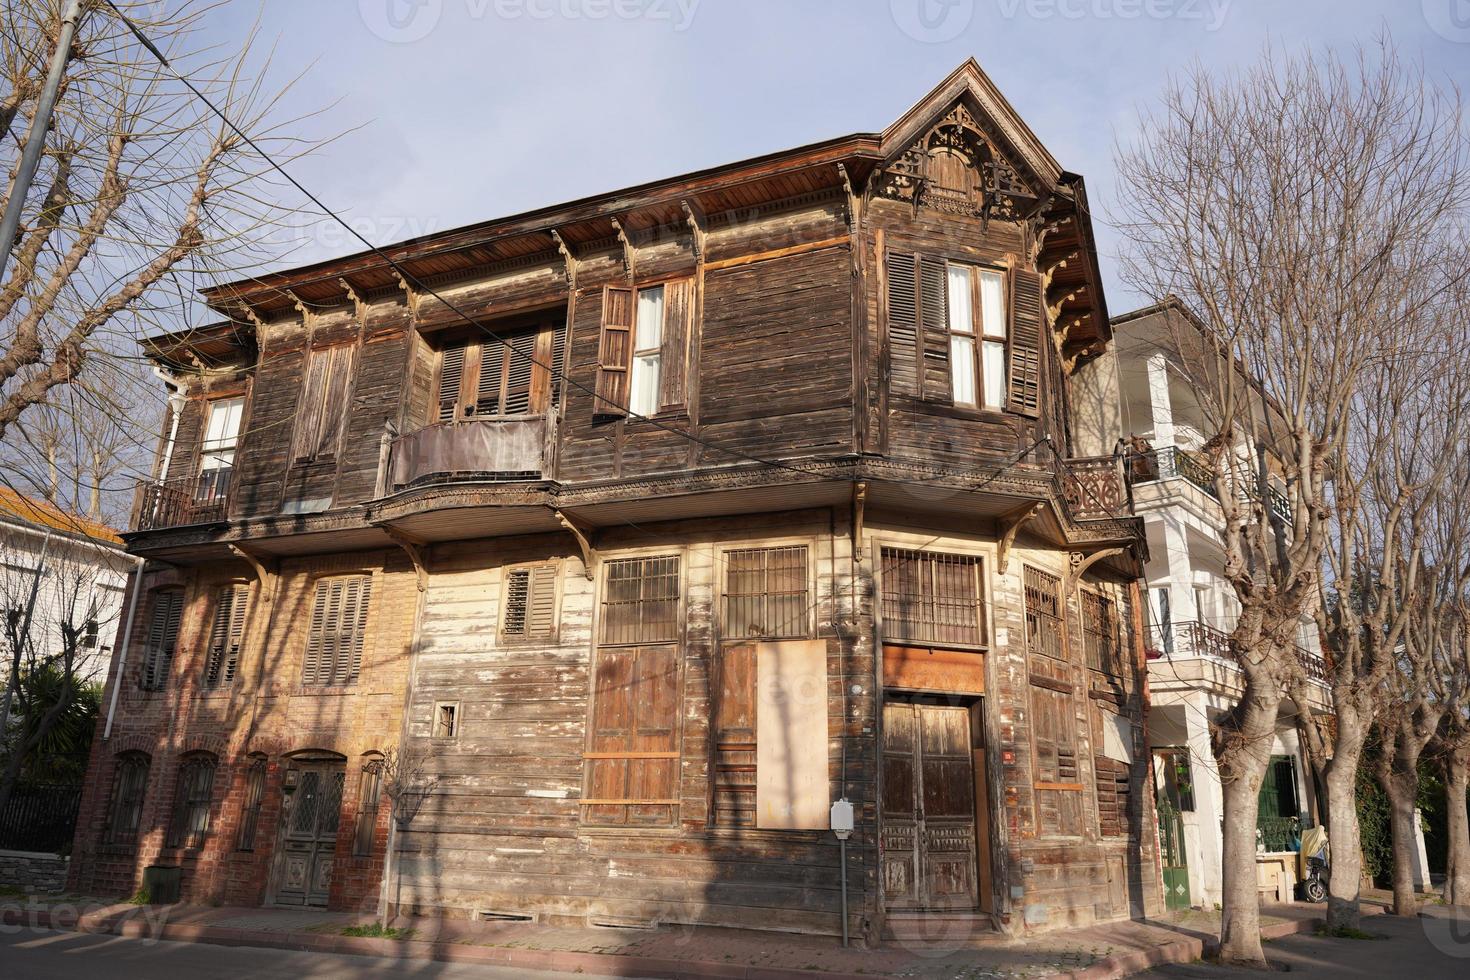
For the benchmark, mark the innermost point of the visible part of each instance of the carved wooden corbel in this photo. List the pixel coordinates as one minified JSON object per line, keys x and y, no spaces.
{"x":854,"y":202}
{"x":1078,"y":564}
{"x":589,"y":554}
{"x":1010,"y":525}
{"x":412,"y":294}
{"x":859,"y":506}
{"x":359,"y":305}
{"x":417,"y":552}
{"x":568,"y":256}
{"x":309,"y":316}
{"x":265,"y":569}
{"x":628,"y":248}
{"x":695,"y":217}
{"x":252,"y":316}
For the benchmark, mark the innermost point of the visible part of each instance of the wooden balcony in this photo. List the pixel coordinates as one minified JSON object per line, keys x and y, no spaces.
{"x":203,"y":499}
{"x":493,"y":449}
{"x":1195,"y":639}
{"x":1093,"y":487}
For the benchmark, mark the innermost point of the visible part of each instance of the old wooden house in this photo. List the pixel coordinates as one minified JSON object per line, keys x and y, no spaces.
{"x":657,"y":522}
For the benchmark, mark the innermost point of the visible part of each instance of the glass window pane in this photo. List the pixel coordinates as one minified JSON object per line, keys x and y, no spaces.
{"x":223,"y":427}
{"x":962,"y":370}
{"x":650,"y":318}
{"x":993,"y":303}
{"x":644,"y":399}
{"x":993,"y":356}
{"x":960,"y":319}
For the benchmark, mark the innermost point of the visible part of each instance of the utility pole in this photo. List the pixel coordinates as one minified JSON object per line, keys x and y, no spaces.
{"x":30,"y":157}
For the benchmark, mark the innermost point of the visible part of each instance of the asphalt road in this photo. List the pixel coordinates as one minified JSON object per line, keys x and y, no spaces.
{"x":43,"y":955}
{"x":1433,"y":947}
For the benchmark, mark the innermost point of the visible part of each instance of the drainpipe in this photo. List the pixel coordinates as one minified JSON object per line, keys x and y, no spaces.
{"x":175,"y":409}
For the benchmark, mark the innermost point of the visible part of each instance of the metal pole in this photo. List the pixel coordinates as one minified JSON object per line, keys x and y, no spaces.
{"x":843,"y":858}
{"x":121,"y":656}
{"x":30,"y":157}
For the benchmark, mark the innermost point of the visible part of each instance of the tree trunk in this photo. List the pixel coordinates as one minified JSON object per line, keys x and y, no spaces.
{"x":1400,"y":787}
{"x":1344,"y":837}
{"x":1457,"y":781}
{"x":1242,"y":754}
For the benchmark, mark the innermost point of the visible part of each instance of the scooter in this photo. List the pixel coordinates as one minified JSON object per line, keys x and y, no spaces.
{"x":1314,"y":853}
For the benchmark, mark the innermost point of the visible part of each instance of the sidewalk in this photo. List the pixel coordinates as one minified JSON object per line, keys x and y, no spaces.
{"x":1111,"y":950}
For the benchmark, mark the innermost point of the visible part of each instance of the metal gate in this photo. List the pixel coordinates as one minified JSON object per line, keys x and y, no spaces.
{"x":308,"y":841}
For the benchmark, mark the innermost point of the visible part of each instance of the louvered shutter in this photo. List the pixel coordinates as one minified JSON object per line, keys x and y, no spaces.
{"x":163,"y":637}
{"x":311,"y":670}
{"x":517,"y":602}
{"x":1026,"y":328}
{"x":615,"y":351}
{"x":541,"y":615}
{"x":226,"y":634}
{"x":934,"y":323}
{"x":522,"y":354}
{"x":451,"y":380}
{"x":903,"y":323}
{"x":338,"y":631}
{"x":679,"y":302}
{"x":355,"y":612}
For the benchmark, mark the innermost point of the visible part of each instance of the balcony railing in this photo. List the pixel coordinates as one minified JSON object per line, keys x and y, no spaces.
{"x":1195,"y":639}
{"x":500,"y":448}
{"x":202,"y":499}
{"x":1172,"y":462}
{"x":1093,"y":488}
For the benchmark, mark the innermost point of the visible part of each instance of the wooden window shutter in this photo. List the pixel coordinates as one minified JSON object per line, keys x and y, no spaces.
{"x":1026,"y":329}
{"x":557,"y":363}
{"x":338,"y":631}
{"x":307,"y":434}
{"x":612,"y":728}
{"x":226,"y":634}
{"x":334,"y":400}
{"x":451,"y":380}
{"x":632,"y":769}
{"x":541,"y":616}
{"x":679,"y":303}
{"x":903,"y":323}
{"x":542,"y":383}
{"x":355,"y":610}
{"x":163,"y":637}
{"x":934,"y":322}
{"x":615,"y":351}
{"x":316,"y":636}
{"x":735,"y":740}
{"x":522,"y":354}
{"x":488,"y":376}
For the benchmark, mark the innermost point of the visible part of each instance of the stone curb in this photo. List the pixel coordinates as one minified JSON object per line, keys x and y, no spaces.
{"x":134,"y":925}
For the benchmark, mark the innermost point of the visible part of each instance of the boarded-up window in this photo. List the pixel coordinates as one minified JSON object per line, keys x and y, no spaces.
{"x":1100,"y":634}
{"x":481,"y":376}
{"x":530,"y":602}
{"x":189,"y":824}
{"x":1044,"y":614}
{"x":1058,"y":782}
{"x":222,"y":659}
{"x":932,"y":598}
{"x":765,"y":595}
{"x":792,"y":739}
{"x":322,"y":407}
{"x":1112,"y":762}
{"x":338,"y":631}
{"x":254,"y":800}
{"x":632,"y":758}
{"x":642,"y":361}
{"x":163,"y":638}
{"x":129,"y":782}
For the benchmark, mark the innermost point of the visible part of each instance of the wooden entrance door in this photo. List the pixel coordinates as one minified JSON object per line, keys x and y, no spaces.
{"x":309,"y":836}
{"x":928,"y":809}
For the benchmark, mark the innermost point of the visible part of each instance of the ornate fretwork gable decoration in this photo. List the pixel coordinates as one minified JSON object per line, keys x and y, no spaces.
{"x":956,"y":168}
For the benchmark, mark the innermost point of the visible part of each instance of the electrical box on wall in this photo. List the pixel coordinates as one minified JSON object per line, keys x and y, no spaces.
{"x":842,"y":819}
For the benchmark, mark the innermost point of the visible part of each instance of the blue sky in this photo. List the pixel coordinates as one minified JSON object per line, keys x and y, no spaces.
{"x":463,"y":110}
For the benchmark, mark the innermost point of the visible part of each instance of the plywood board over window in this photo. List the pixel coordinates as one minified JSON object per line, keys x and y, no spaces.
{"x":792,"y":791}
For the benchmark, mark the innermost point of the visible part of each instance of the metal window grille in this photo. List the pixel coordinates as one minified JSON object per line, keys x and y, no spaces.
{"x":1100,"y":633}
{"x":1044,"y":613}
{"x":766,"y":593}
{"x":640,"y":601}
{"x":929,"y":597}
{"x":254,"y":798}
{"x":129,"y":781}
{"x":190,"y":823}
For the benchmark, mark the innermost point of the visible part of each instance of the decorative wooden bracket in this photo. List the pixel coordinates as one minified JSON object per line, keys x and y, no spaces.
{"x":309,"y":316}
{"x":1009,"y":526}
{"x":695,"y":216}
{"x":1078,"y":564}
{"x":252,"y":316}
{"x":568,"y":256}
{"x":413,"y":295}
{"x":589,"y":554}
{"x":854,"y":203}
{"x":359,"y":305}
{"x":264,"y":569}
{"x":417,"y":552}
{"x":628,"y":248}
{"x":859,"y":506}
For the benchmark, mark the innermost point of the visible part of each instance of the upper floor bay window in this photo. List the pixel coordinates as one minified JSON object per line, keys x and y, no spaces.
{"x":964,"y":335}
{"x":217,"y":455}
{"x":513,"y":373}
{"x":641,"y":365}
{"x":977,"y":336}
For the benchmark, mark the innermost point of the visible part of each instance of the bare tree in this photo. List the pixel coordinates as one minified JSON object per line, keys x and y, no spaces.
{"x":140,"y":192}
{"x":408,"y":784}
{"x":1451,"y":750}
{"x":1301,"y":208}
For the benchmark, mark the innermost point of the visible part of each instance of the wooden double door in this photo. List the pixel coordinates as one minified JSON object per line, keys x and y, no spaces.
{"x":932,"y":855}
{"x":308,"y":839}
